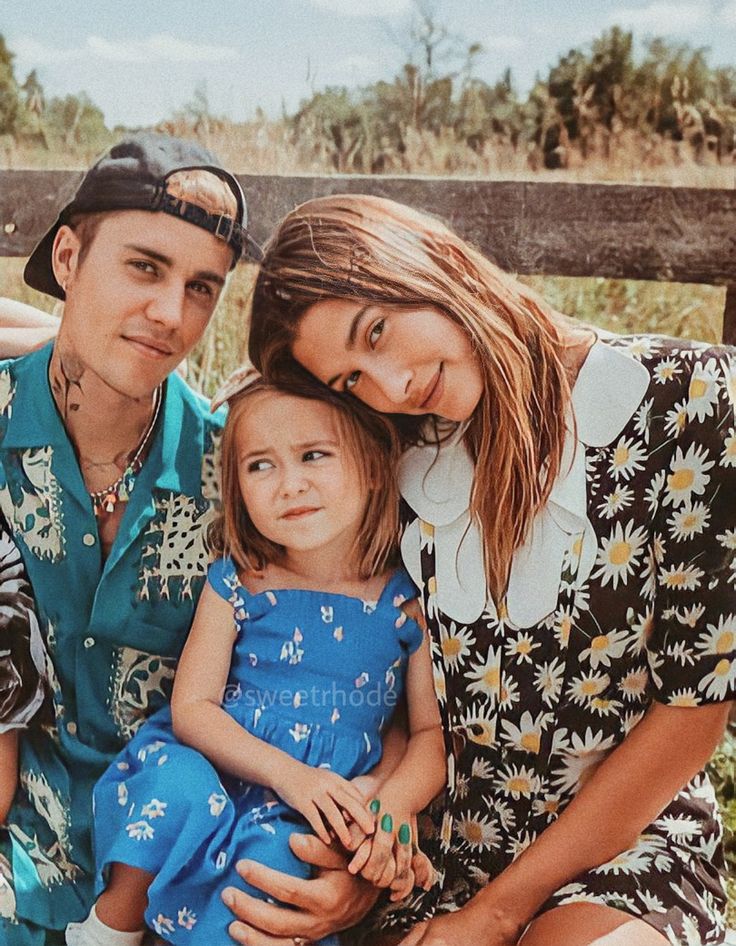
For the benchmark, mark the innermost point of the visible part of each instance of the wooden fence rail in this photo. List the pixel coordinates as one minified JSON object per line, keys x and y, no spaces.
{"x":555,"y":229}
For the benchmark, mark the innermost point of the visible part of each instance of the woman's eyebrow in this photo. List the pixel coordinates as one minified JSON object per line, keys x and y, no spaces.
{"x":352,"y":335}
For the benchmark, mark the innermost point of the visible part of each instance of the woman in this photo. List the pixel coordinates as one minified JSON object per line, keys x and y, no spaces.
{"x":570,"y":521}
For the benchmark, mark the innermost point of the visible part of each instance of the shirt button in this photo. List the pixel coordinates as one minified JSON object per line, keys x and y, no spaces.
{"x":71,"y":728}
{"x":88,"y":538}
{"x":89,"y":642}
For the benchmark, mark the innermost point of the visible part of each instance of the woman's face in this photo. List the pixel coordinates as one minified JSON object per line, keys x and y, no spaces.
{"x":397,"y":359}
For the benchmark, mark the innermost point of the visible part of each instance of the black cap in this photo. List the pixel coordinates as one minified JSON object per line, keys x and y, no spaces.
{"x":132,"y":175}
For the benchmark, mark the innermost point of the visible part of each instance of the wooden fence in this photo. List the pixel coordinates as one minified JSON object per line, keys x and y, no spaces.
{"x":678,"y":234}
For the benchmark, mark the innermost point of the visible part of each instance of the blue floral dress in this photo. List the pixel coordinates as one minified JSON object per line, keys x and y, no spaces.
{"x":316,"y":674}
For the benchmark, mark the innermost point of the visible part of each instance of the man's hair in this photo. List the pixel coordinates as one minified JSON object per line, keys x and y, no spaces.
{"x":195,"y":186}
{"x":372,"y":444}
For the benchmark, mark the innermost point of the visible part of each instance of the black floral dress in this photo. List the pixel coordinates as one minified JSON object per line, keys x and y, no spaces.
{"x":625,"y":593}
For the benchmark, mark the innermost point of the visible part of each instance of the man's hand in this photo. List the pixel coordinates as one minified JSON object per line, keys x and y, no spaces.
{"x":332,"y":900}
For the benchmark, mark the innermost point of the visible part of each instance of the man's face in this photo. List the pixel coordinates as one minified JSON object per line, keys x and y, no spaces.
{"x":140,"y":299}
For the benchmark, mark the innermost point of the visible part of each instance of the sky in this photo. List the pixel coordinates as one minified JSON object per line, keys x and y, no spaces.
{"x":140,"y":60}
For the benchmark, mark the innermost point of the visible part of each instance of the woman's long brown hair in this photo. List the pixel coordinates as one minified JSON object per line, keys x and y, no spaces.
{"x":377,"y":251}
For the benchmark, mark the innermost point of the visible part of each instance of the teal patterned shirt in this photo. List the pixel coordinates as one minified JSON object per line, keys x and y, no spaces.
{"x":113,"y":630}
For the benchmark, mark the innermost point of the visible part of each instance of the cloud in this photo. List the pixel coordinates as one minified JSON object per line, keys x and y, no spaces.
{"x":727,"y":14}
{"x":364,"y":8}
{"x":662,"y":17}
{"x":163,"y":47}
{"x":499,"y":42}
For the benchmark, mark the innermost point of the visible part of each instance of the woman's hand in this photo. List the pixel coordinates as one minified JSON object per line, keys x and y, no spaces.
{"x":332,"y":900}
{"x":475,"y":923}
{"x":324,"y":798}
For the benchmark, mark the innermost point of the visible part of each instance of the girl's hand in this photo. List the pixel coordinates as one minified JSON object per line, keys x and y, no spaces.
{"x":325,"y":798}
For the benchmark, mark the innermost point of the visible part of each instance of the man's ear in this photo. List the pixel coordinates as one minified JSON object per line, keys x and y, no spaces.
{"x":65,"y":255}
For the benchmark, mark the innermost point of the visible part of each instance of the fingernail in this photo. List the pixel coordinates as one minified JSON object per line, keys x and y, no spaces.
{"x":228,"y":897}
{"x":387,"y":823}
{"x":404,"y":834}
{"x":375,"y":806}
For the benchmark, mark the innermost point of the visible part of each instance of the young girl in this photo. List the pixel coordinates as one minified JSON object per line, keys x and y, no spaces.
{"x":299,"y":651}
{"x":22,"y":663}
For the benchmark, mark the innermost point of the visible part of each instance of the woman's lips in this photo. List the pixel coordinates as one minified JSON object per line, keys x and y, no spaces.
{"x":436,"y":388}
{"x":300,"y":512}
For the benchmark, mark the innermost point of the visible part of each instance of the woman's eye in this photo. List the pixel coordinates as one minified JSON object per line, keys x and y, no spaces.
{"x":144,"y":266}
{"x":314,"y":455}
{"x":201,"y":288}
{"x":351,"y":380}
{"x":375,"y":332}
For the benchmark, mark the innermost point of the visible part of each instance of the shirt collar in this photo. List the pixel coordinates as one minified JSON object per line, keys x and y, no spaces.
{"x":30,"y":411}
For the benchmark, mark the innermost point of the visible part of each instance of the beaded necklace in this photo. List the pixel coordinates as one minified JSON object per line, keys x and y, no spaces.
{"x":105,"y":500}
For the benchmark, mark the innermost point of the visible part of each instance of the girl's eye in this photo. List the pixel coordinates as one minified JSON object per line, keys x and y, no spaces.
{"x":257,"y":465}
{"x":351,"y":380}
{"x":376,"y":332}
{"x":314,"y":455}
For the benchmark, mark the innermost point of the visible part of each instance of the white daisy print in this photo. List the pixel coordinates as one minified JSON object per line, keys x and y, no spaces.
{"x":675,"y":420}
{"x":578,"y":762}
{"x":688,"y":475}
{"x":604,"y":648}
{"x":653,"y":492}
{"x":680,"y":827}
{"x":619,"y":554}
{"x":681,"y":577}
{"x":728,"y":456}
{"x":527,"y":736}
{"x":614,"y":502}
{"x":632,"y":861}
{"x":521,"y":647}
{"x":548,"y":680}
{"x":581,"y":690}
{"x":478,"y":723}
{"x":563,"y":624}
{"x":455,"y":643}
{"x":719,"y":639}
{"x":633,"y":685}
{"x":641,"y":347}
{"x":628,"y":457}
{"x":688,"y":521}
{"x":702,"y":394}
{"x":485,"y":678}
{"x":479,"y":832}
{"x":684,"y":697}
{"x":666,"y":370}
{"x":641,"y":423}
{"x":186,"y":918}
{"x":728,"y":539}
{"x":721,"y":682}
{"x":517,"y":781}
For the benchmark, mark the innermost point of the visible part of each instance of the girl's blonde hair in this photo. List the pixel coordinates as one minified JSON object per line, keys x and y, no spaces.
{"x":366,"y":248}
{"x":370,"y":441}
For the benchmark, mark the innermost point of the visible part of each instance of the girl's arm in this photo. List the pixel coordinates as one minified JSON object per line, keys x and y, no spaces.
{"x":416,"y":780}
{"x":23,"y":328}
{"x":200,"y":721}
{"x":8,"y":771}
{"x":627,"y":791}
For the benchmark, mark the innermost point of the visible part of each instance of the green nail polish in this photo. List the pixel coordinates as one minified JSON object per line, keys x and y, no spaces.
{"x":404,"y":834}
{"x":375,"y":806}
{"x":387,"y":823}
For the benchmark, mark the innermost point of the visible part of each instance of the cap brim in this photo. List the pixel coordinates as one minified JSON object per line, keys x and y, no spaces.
{"x":39,"y":272}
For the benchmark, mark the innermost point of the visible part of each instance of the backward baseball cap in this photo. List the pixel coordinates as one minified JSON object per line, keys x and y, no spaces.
{"x":132,"y":175}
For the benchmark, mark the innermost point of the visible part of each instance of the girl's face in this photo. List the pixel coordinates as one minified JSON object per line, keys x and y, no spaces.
{"x":300,"y":485}
{"x":397,"y":359}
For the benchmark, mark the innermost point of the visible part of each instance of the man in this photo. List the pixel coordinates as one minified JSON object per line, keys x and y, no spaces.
{"x":107,"y":475}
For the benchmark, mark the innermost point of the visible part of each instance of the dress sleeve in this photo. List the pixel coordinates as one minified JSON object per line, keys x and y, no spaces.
{"x":692,"y":645}
{"x":223,"y":577}
{"x":22,"y":651}
{"x":409,"y":633}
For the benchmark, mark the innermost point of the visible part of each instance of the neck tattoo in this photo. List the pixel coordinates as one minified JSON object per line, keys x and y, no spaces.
{"x":105,"y":500}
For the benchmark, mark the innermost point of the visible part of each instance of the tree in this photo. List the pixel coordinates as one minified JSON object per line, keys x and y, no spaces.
{"x":9,"y":97}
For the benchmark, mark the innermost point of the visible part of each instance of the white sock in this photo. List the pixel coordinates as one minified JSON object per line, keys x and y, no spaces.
{"x":93,"y":932}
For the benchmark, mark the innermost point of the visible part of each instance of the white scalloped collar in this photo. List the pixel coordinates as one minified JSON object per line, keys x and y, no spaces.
{"x":436,"y":481}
